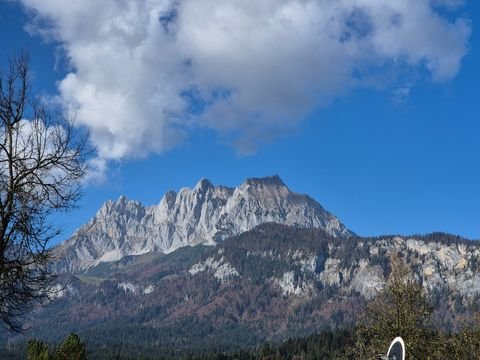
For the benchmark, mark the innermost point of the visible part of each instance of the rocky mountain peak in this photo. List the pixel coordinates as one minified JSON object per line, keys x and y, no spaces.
{"x":203,"y":214}
{"x":204,"y":184}
{"x":122,"y":199}
{"x":273,"y":180}
{"x":121,"y":206}
{"x":168,"y":199}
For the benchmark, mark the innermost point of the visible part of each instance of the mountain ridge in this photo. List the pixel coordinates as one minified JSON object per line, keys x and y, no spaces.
{"x":203,"y":214}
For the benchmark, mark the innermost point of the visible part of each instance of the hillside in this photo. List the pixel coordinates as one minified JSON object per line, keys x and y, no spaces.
{"x":267,"y":284}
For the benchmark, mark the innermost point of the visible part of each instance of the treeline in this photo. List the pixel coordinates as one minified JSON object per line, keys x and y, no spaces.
{"x":72,"y":348}
{"x":324,"y":345}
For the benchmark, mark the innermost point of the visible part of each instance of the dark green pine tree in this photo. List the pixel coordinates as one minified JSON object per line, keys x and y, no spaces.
{"x":71,"y":349}
{"x":37,"y":350}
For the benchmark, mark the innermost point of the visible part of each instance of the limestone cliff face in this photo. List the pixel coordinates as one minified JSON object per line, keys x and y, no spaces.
{"x":451,"y":265}
{"x":438,"y":261}
{"x":204,"y":214}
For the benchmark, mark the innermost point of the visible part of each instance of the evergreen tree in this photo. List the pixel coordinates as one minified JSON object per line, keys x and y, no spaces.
{"x":37,"y":350}
{"x":71,"y":349}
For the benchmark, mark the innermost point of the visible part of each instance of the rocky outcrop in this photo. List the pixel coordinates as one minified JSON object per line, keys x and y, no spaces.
{"x":205,"y":214}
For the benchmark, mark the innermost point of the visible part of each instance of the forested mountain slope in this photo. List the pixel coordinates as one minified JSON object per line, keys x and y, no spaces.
{"x":266,"y":284}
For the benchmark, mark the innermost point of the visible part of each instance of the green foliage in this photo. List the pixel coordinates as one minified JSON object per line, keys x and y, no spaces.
{"x":37,"y":350}
{"x":402,"y":309}
{"x":466,"y":343}
{"x":71,"y":349}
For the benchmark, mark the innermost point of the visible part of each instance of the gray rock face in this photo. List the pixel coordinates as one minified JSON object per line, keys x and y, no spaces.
{"x":204,"y":214}
{"x":436,"y":265}
{"x":442,"y":263}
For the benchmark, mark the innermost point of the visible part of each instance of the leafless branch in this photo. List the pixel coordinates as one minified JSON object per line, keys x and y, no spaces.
{"x":42,"y":163}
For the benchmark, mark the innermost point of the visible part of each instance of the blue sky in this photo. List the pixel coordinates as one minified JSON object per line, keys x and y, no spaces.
{"x":383,"y":162}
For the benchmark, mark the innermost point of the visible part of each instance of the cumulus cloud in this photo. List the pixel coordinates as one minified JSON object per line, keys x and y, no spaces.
{"x":146,"y":73}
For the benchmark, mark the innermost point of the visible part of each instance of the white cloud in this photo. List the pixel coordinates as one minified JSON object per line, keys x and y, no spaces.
{"x":145,"y":73}
{"x":450,"y":4}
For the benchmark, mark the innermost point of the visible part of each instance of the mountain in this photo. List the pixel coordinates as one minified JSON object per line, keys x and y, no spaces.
{"x":267,"y":284}
{"x":206,"y":214}
{"x":147,"y":280}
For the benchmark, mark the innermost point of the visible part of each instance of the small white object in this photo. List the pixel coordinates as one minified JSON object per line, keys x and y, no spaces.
{"x":396,"y":351}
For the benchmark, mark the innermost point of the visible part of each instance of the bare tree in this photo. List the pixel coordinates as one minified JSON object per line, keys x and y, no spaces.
{"x":42,"y":163}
